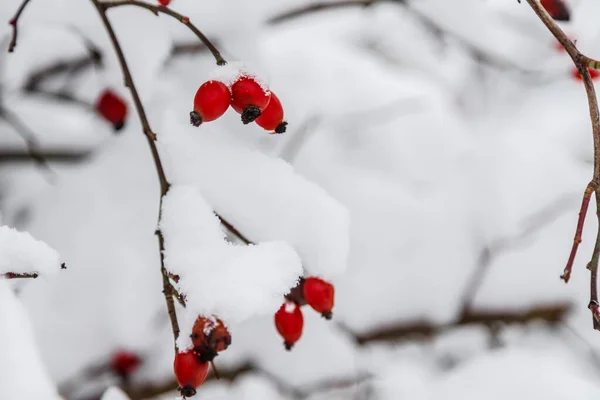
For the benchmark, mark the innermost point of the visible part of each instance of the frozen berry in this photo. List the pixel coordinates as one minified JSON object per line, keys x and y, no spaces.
{"x":212,"y":99}
{"x":210,"y":337}
{"x":557,"y":9}
{"x":124,"y":363}
{"x":112,"y":108}
{"x":271,"y":119}
{"x":594,"y":73}
{"x":289,"y":322}
{"x":319,"y":294}
{"x":249,"y":98}
{"x":190,"y":372}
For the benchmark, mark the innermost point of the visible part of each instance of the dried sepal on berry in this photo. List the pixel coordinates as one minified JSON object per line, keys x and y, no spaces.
{"x":210,"y":336}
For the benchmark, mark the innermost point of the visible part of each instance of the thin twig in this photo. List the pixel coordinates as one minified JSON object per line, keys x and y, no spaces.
{"x":582,"y":63}
{"x":168,"y":289}
{"x":54,"y":155}
{"x":155,"y":9}
{"x":14,"y":22}
{"x":13,"y":275}
{"x":587,"y":195}
{"x":234,"y":231}
{"x":30,"y":140}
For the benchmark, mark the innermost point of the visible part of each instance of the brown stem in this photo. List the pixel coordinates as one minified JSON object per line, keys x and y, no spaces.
{"x":582,"y":63}
{"x":168,"y":289}
{"x":165,"y":10}
{"x":13,"y":275}
{"x":14,"y":22}
{"x":234,"y":231}
{"x":587,"y":195}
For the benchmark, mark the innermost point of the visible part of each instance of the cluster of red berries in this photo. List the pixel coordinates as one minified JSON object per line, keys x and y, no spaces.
{"x":246,"y":96}
{"x":557,"y":9}
{"x":289,"y":321}
{"x":209,"y":337}
{"x":112,"y":108}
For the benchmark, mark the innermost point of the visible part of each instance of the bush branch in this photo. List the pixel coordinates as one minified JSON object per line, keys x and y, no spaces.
{"x":582,"y":63}
{"x":168,"y":289}
{"x":14,"y":22}
{"x":165,"y":10}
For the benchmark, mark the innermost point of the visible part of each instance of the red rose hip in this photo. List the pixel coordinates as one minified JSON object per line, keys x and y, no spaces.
{"x":112,"y":108}
{"x":212,"y":99}
{"x":190,"y":372}
{"x":289,"y":322}
{"x":164,"y":2}
{"x":557,"y":9}
{"x":271,"y":119}
{"x":319,"y":294}
{"x":249,"y":98}
{"x":124,"y":363}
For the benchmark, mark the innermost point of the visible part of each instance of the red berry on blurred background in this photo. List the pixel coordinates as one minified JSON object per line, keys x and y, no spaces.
{"x":319,"y":294}
{"x":112,"y":108}
{"x":249,"y":98}
{"x":212,"y":99}
{"x":594,"y":73}
{"x":164,"y":2}
{"x":190,"y":372}
{"x":271,"y":119}
{"x":557,"y":9}
{"x":289,"y":322}
{"x":209,"y":337}
{"x":124,"y":363}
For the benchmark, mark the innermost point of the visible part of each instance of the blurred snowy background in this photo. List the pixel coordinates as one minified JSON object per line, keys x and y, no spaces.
{"x":452,"y":132}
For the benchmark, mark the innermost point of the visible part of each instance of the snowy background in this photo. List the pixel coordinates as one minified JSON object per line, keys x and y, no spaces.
{"x":430,"y":143}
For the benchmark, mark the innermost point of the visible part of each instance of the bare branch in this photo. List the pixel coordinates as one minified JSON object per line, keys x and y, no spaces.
{"x":13,"y":275}
{"x":14,"y":22}
{"x":582,"y":63}
{"x":165,"y":10}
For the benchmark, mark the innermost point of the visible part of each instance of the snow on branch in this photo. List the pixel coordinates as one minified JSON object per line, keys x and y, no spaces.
{"x":216,"y":277}
{"x":263,"y":197}
{"x":23,"y":256}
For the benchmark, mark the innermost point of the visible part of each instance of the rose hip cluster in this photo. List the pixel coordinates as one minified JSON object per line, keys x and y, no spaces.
{"x":289,"y":321}
{"x":246,"y":96}
{"x":209,"y":337}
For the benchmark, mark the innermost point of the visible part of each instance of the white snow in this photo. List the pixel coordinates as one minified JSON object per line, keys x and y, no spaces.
{"x":22,"y":253}
{"x":22,"y":372}
{"x":263,"y":197}
{"x":114,"y":393}
{"x":232,"y":282}
{"x":233,"y":70}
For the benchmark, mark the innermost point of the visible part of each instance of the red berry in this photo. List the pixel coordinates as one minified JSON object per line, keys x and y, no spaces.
{"x":594,"y":73}
{"x":112,"y":108}
{"x":125,"y":363}
{"x":212,"y":99}
{"x":164,"y":2}
{"x":319,"y":294}
{"x":249,"y":98}
{"x":557,"y":9}
{"x":271,"y":119}
{"x":209,"y":338}
{"x":289,"y":322}
{"x":190,"y":372}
